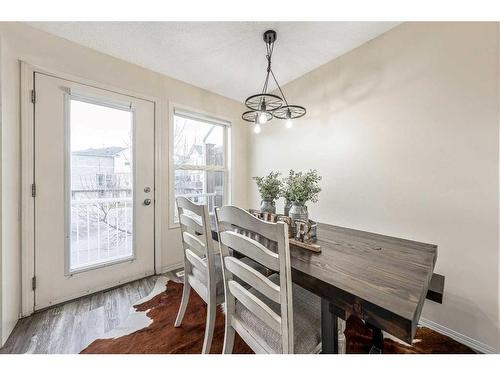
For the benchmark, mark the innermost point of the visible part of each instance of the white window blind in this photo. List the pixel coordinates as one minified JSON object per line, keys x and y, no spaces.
{"x":200,"y":117}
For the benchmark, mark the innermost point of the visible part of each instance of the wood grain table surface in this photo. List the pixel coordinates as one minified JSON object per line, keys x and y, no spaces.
{"x":381,"y":279}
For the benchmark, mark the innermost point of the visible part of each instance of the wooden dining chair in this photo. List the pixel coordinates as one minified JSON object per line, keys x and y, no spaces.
{"x":202,"y":268}
{"x":274,"y":315}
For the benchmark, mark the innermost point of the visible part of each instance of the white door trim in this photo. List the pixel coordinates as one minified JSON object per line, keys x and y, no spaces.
{"x":27,"y":173}
{"x":27,"y":201}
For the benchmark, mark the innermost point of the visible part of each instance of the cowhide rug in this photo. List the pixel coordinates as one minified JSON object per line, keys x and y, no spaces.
{"x":150,"y":329}
{"x":160,"y":336}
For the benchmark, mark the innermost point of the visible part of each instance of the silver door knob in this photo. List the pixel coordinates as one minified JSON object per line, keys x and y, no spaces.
{"x":147,"y":202}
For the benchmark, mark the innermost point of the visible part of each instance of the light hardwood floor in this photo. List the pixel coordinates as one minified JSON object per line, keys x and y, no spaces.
{"x":70,"y":327}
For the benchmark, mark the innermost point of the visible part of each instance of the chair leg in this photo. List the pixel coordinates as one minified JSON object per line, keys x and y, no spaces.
{"x":228,"y":340}
{"x":186,"y":291}
{"x":209,"y":329}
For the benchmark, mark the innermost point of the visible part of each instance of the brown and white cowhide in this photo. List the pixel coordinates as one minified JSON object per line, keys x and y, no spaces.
{"x":150,"y":329}
{"x":160,"y":335}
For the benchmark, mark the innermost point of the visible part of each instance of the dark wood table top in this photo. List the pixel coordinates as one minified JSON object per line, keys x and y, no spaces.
{"x":381,"y":279}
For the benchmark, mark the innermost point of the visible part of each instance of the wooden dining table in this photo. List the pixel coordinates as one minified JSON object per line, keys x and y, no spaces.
{"x":380,"y":279}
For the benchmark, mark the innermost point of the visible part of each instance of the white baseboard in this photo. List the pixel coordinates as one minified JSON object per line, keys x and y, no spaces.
{"x":171,"y":267}
{"x":461,"y":338}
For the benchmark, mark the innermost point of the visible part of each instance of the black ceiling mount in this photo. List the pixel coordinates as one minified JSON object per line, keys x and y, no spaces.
{"x":270,"y":36}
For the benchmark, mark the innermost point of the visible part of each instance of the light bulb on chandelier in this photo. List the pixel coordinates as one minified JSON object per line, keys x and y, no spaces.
{"x":288,"y":122}
{"x":257,"y":129}
{"x":262,"y":118}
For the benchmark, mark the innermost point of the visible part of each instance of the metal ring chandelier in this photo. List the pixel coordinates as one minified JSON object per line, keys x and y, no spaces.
{"x":264,"y":107}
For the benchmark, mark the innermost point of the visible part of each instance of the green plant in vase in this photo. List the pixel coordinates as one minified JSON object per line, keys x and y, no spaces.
{"x":300,"y":188}
{"x":270,"y":187}
{"x":285,"y":192}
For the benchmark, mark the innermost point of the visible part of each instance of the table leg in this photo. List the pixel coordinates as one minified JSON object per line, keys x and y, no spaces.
{"x":329,"y":329}
{"x":377,"y":340}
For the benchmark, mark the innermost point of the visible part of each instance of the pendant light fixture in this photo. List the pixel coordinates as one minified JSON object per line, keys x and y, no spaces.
{"x":264,"y":107}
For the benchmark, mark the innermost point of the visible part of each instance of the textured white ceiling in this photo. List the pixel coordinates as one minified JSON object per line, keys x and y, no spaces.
{"x":227,"y":58}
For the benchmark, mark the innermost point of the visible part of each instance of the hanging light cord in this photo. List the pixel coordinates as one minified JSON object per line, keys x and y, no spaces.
{"x":279,"y":87}
{"x":270,"y":49}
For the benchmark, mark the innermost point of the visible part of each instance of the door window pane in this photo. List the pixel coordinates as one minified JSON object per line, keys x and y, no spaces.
{"x":101,"y":174}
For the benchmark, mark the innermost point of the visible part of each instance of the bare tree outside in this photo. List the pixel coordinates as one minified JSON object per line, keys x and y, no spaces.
{"x":198,"y":153}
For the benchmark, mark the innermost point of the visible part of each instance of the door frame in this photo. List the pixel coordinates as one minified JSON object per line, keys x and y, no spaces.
{"x":28,"y":167}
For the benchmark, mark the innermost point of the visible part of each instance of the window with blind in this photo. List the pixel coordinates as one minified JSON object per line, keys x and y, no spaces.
{"x":199,"y":157}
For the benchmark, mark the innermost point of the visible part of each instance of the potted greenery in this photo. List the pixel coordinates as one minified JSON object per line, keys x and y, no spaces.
{"x":300,"y":188}
{"x":269,"y":189}
{"x":285,"y":192}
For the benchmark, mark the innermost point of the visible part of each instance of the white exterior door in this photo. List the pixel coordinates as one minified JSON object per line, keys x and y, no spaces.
{"x":94,"y":189}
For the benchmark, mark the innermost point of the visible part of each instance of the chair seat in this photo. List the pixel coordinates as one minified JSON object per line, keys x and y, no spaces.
{"x":306,"y":320}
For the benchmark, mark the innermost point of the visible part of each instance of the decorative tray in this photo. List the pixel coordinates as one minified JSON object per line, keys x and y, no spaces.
{"x":310,"y":245}
{"x":301,"y":233}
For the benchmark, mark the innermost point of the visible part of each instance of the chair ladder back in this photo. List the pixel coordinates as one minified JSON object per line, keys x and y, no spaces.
{"x":196,"y":235}
{"x":194,"y":243}
{"x":227,"y":219}
{"x":254,"y":278}
{"x":286,"y":292}
{"x":251,"y":248}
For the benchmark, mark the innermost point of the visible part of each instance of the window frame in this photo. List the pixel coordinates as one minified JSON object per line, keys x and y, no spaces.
{"x":209,"y":118}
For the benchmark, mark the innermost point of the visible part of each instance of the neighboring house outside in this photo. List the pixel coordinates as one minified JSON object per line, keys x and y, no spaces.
{"x":101,"y":173}
{"x":201,"y":183}
{"x":105,"y":173}
{"x":101,"y":225}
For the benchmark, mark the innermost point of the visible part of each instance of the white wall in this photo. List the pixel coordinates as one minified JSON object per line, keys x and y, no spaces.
{"x":1,"y":255}
{"x":405,"y":132}
{"x":21,"y":42}
{"x":11,"y":260}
